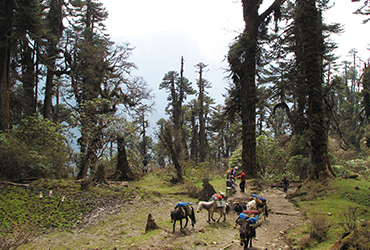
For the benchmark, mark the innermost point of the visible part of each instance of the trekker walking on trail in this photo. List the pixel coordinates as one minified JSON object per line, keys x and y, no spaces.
{"x":286,"y":184}
{"x":242,"y":181}
{"x":145,"y":163}
{"x":232,"y":173}
{"x":230,"y":185}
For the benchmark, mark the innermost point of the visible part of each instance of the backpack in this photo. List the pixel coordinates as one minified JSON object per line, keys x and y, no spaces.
{"x":229,"y":183}
{"x":230,"y":171}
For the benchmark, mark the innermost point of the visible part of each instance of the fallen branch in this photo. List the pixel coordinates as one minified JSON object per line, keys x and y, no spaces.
{"x":282,"y":213}
{"x":14,"y":184}
{"x":227,"y":246}
{"x":352,"y":176}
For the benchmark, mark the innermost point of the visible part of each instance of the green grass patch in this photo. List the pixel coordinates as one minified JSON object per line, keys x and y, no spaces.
{"x":333,"y":200}
{"x":62,"y":203}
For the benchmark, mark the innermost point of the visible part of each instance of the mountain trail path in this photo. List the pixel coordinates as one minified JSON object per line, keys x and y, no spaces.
{"x":282,"y":217}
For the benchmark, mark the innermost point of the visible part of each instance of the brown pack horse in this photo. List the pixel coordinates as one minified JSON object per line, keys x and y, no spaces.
{"x":183,"y":213}
{"x":212,"y":208}
{"x":246,"y":233}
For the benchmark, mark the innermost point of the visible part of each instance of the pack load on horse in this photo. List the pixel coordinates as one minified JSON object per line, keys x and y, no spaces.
{"x":260,"y":200}
{"x":250,"y":213}
{"x":246,"y":215}
{"x":258,"y":203}
{"x":183,"y":211}
{"x":229,"y":183}
{"x":218,"y":199}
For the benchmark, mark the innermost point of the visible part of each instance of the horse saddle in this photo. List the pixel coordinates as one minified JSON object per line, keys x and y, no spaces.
{"x":219,"y":203}
{"x":185,"y":210}
{"x":259,"y":202}
{"x":250,"y":212}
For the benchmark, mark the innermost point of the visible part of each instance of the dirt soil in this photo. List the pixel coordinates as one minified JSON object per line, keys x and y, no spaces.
{"x":117,"y":226}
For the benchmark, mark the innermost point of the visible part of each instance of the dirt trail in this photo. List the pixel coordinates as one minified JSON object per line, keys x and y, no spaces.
{"x":270,"y":235}
{"x":282,"y":217}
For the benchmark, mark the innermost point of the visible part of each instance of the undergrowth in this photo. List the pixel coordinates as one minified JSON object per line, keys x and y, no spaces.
{"x":334,"y":208}
{"x":52,"y":203}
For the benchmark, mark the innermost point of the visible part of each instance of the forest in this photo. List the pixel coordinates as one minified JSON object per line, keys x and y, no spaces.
{"x":290,"y":109}
{"x":74,"y":120}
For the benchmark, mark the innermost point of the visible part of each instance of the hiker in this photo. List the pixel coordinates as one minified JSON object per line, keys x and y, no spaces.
{"x":145,"y":163}
{"x":286,"y":183}
{"x":242,"y":181}
{"x":230,"y":185}
{"x":232,"y":173}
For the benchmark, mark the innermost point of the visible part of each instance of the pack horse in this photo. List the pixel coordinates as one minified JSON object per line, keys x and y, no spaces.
{"x":212,"y":208}
{"x":183,"y":212}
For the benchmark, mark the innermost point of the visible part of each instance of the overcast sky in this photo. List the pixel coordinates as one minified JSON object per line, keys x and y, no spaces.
{"x":201,"y":30}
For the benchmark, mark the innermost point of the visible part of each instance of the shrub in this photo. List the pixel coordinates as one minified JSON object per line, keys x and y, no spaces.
{"x":319,"y":227}
{"x":19,"y":234}
{"x":35,"y":148}
{"x":192,"y":190}
{"x":349,"y":219}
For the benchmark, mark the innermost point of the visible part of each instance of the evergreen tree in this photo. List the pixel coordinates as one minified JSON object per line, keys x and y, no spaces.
{"x":20,"y":28}
{"x":242,"y":59}
{"x":202,"y":85}
{"x":54,"y":20}
{"x":172,"y":136}
{"x":311,"y":24}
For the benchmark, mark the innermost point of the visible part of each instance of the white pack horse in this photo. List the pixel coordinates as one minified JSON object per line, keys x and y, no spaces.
{"x":262,"y":210}
{"x":212,"y":208}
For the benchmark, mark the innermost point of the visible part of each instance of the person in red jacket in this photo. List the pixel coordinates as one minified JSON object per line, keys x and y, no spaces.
{"x":242,"y":181}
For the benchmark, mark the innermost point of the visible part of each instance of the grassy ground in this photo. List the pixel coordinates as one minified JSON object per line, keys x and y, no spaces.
{"x":336,"y":206}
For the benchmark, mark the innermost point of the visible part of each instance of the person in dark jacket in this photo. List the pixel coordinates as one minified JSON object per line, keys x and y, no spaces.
{"x":286,"y":183}
{"x":145,"y":163}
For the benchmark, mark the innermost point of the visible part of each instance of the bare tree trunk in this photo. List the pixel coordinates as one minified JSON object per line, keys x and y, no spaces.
{"x":123,"y":171}
{"x":84,"y":165}
{"x":4,"y":86}
{"x":54,"y":19}
{"x":28,"y":79}
{"x":48,"y":94}
{"x":202,"y":129}
{"x":100,"y":175}
{"x":174,"y":149}
{"x":366,"y":91}
{"x":5,"y":41}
